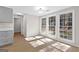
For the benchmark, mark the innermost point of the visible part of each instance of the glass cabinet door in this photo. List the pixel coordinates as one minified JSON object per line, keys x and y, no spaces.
{"x":43,"y":25}
{"x":52,"y":23}
{"x":66,"y":26}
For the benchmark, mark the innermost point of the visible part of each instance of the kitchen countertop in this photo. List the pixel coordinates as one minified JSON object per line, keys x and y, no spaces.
{"x":6,"y":26}
{"x":6,"y":29}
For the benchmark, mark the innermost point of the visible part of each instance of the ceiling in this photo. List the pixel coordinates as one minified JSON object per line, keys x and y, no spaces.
{"x":31,"y":9}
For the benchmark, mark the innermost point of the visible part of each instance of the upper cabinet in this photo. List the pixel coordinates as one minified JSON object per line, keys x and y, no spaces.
{"x":6,"y":14}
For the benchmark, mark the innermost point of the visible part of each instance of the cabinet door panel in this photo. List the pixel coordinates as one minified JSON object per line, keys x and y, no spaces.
{"x":6,"y":14}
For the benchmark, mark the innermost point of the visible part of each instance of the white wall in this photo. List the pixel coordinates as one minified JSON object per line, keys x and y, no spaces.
{"x":28,"y":25}
{"x":23,"y":25}
{"x":76,"y":26}
{"x":32,"y":25}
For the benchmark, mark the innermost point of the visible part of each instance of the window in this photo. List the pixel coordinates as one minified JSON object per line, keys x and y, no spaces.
{"x":66,"y":26}
{"x":52,"y":23}
{"x":43,"y":27}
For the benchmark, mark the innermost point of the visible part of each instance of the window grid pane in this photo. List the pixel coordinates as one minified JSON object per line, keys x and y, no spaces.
{"x":66,"y":26}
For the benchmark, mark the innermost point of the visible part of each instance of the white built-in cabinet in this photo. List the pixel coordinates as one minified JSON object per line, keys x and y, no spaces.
{"x":6,"y":26}
{"x":6,"y":14}
{"x":62,"y":26}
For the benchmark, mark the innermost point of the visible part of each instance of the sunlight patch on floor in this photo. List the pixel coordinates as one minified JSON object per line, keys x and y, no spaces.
{"x":49,"y":49}
{"x":33,"y":38}
{"x":38,"y":37}
{"x":40,"y":40}
{"x":30,"y":39}
{"x":61,"y":46}
{"x":36,"y":43}
{"x":46,"y":40}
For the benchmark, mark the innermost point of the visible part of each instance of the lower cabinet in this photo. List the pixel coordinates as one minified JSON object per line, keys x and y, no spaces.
{"x":6,"y":37}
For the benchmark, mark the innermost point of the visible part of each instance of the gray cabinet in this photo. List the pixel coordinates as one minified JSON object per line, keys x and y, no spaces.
{"x":6,"y":37}
{"x":6,"y":14}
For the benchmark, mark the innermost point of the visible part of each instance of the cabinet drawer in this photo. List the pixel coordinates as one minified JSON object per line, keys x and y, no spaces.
{"x":9,"y":41}
{"x":6,"y":36}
